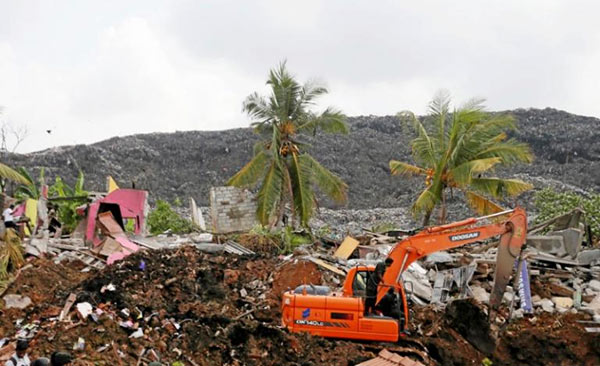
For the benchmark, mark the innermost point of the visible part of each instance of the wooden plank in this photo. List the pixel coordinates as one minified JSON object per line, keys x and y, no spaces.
{"x":108,"y":224}
{"x":328,"y":266}
{"x":65,"y":311}
{"x":347,"y":248}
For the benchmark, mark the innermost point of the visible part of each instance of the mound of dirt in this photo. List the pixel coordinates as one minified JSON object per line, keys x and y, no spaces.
{"x":185,"y":305}
{"x":47,"y":284}
{"x":458,"y":335}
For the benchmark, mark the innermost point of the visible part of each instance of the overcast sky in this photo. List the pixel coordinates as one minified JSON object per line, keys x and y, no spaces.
{"x":90,"y":70}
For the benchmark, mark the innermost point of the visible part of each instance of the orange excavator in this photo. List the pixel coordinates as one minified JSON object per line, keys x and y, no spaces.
{"x":316,"y":310}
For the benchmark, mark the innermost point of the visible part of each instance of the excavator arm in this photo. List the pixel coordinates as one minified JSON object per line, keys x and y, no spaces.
{"x":512,"y":232}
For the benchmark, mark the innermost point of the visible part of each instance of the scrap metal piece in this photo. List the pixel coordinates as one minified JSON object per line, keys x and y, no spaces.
{"x":445,"y":281}
{"x":235,"y":248}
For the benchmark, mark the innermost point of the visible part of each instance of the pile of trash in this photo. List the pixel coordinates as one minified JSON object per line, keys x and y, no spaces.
{"x":184,"y":305}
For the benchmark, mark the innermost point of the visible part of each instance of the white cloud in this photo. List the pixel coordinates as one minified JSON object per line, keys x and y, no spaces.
{"x":100,"y":69}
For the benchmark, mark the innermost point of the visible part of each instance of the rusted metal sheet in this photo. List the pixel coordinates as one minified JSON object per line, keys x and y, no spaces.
{"x":387,"y":358}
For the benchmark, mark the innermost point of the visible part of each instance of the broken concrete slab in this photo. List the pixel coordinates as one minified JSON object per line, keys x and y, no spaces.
{"x":594,"y":285}
{"x":16,"y":301}
{"x":572,"y":238}
{"x":480,"y":294}
{"x":202,"y":238}
{"x":547,"y":305}
{"x":416,"y":282}
{"x":197,"y":218}
{"x":439,"y":257}
{"x":210,"y":248}
{"x":562,"y":302}
{"x":552,"y":244}
{"x":41,"y":244}
{"x":587,"y":257}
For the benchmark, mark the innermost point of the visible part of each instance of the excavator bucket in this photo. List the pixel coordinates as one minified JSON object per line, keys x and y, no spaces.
{"x":509,"y":250}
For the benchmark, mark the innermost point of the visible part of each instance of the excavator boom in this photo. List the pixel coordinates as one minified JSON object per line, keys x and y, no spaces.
{"x":512,"y":232}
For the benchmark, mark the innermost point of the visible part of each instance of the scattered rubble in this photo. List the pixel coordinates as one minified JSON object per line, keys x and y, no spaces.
{"x":118,"y":298}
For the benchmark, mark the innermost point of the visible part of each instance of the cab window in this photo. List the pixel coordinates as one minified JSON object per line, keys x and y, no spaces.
{"x":359,"y":285}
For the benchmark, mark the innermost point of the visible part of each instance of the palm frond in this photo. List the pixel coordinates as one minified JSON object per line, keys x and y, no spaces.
{"x":482,"y":205}
{"x":438,"y":111}
{"x":27,"y":191}
{"x":301,"y":185}
{"x":401,"y":168}
{"x":498,"y":187}
{"x":9,"y":173}
{"x":330,"y":121}
{"x":269,"y":194}
{"x":462,"y":174}
{"x":310,"y":91}
{"x":328,"y":183}
{"x":257,"y":108}
{"x":423,"y":148}
{"x":11,"y":253}
{"x":510,"y":152}
{"x":249,"y":175}
{"x":425,"y":202}
{"x":285,"y":92}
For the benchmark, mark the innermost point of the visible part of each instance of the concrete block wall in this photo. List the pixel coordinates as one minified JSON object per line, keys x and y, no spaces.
{"x":232,"y":209}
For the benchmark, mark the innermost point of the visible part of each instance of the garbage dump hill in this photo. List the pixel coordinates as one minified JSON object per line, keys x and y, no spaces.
{"x":184,"y":164}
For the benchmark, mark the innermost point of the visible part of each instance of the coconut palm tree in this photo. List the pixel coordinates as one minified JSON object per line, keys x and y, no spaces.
{"x":287,"y":173}
{"x":458,"y":150}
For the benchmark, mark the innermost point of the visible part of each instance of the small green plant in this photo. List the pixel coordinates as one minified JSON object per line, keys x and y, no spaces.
{"x":164,"y":218}
{"x":286,"y":239}
{"x":177,"y":202}
{"x":551,"y":204}
{"x":383,"y":227}
{"x":486,"y":362}
{"x":323,"y":231}
{"x":130,"y":225}
{"x":291,"y":240}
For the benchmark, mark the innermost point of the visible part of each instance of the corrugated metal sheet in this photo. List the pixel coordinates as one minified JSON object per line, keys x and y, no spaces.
{"x":235,"y":248}
{"x":387,"y":358}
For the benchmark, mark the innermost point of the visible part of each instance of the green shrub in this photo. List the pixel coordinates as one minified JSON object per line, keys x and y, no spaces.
{"x":551,"y":203}
{"x":285,"y":239}
{"x":163,"y":218}
{"x":66,"y":210}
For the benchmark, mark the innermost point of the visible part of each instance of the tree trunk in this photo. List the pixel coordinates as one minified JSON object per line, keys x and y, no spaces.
{"x":426,"y":218}
{"x":443,"y":209}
